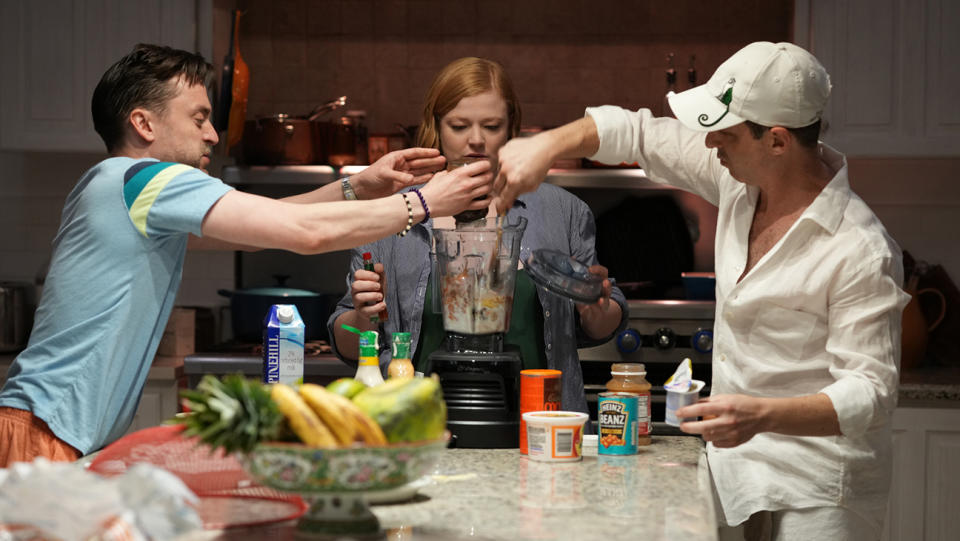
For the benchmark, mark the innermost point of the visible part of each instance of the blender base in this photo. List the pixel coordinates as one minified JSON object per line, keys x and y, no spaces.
{"x":482,"y":393}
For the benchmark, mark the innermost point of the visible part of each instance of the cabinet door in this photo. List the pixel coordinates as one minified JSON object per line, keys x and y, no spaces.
{"x":894,"y":73}
{"x":149,"y":411}
{"x":925,"y":495}
{"x":53,"y":53}
{"x":158,"y":403}
{"x":942,"y":478}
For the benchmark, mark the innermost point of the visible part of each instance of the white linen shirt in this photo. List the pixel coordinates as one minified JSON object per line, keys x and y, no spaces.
{"x":819,"y":313}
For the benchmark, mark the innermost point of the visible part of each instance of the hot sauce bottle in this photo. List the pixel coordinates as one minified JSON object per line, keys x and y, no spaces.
{"x":630,"y":378}
{"x":368,"y":265}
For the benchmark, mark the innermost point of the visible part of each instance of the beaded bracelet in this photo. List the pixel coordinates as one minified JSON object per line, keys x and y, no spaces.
{"x":423,"y":202}
{"x":409,"y":217}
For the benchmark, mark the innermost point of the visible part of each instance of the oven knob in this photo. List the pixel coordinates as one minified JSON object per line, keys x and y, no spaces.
{"x":628,"y":341}
{"x":703,"y":341}
{"x":664,"y":338}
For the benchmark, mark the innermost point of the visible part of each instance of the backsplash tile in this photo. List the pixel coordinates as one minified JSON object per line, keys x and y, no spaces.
{"x":563,"y":54}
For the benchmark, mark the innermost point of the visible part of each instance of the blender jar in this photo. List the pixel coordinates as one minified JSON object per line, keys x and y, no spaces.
{"x":474,"y":282}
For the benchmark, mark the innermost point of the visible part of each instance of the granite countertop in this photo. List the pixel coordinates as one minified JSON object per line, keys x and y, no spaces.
{"x":927,"y":386}
{"x":497,"y":494}
{"x":931,"y":386}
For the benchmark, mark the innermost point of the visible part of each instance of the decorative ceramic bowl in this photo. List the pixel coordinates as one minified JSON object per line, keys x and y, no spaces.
{"x":337,"y":480}
{"x":296,"y":467}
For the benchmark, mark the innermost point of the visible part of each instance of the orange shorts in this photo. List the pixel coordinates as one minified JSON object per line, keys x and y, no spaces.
{"x":23,"y":437}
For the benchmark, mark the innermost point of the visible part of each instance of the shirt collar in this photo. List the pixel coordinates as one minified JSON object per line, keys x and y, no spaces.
{"x":828,"y":208}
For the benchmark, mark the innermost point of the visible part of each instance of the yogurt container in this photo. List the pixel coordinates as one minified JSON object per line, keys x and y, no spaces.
{"x":679,"y":399}
{"x":555,"y":436}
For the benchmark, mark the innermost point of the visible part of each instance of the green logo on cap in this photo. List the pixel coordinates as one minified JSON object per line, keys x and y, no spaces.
{"x":725,"y":97}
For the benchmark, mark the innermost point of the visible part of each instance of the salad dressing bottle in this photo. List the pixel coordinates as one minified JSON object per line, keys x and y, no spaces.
{"x":368,"y":366}
{"x":400,"y":364}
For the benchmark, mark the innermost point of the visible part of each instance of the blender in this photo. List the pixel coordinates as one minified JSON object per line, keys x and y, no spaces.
{"x":473,"y":279}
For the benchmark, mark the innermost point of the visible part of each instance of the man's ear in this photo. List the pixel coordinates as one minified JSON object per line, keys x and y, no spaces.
{"x":779,"y":139}
{"x":142,"y":122}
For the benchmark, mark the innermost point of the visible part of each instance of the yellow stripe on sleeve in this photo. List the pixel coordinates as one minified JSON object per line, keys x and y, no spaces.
{"x":141,"y":206}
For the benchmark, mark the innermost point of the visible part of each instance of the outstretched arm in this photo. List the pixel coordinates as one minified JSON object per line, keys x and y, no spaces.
{"x":386,"y":176}
{"x":251,"y":220}
{"x":524,"y":162}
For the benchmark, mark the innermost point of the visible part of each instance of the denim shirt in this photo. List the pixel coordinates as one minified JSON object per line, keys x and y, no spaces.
{"x":556,"y":219}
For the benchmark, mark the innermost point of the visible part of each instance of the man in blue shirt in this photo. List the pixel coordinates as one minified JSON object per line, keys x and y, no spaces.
{"x":118,"y":255}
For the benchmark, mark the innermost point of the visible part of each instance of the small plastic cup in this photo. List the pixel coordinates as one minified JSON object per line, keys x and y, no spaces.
{"x":679,"y":399}
{"x":555,"y":436}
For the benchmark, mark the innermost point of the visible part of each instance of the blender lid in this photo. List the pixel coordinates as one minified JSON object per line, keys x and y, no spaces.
{"x":563,"y":275}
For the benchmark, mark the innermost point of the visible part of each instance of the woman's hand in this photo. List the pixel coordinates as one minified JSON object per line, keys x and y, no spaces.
{"x":366,"y":291}
{"x":600,"y":318}
{"x":464,"y":188}
{"x":397,"y":170}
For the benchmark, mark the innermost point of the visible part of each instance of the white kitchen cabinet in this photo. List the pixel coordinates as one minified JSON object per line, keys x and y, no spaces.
{"x":926,"y":478}
{"x":894,"y":69}
{"x":53,"y":53}
{"x":158,"y":403}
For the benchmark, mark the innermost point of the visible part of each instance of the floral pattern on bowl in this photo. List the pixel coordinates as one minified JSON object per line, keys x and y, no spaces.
{"x":298,"y":468}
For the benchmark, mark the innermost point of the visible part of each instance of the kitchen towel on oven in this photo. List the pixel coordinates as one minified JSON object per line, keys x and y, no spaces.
{"x":645,"y":239}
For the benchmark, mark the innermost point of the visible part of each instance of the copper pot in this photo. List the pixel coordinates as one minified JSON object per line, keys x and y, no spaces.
{"x":279,"y":140}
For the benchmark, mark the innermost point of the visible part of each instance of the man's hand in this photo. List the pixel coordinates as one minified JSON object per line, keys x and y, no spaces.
{"x":729,"y":419}
{"x":524,"y":163}
{"x":464,"y":188}
{"x":397,"y":170}
{"x":732,"y":419}
{"x":366,"y":291}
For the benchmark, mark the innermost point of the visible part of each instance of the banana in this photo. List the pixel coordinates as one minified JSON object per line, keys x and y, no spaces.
{"x":331,"y":412}
{"x":362,"y":426}
{"x":368,"y":428}
{"x":304,"y":422}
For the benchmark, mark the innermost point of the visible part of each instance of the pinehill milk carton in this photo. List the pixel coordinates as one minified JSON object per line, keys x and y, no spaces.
{"x":283,"y":337}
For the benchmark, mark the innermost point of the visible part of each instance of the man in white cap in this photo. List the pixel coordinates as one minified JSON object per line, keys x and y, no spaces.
{"x":809,"y":290}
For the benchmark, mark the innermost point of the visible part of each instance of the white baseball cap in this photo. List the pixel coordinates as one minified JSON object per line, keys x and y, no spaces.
{"x":771,"y":84}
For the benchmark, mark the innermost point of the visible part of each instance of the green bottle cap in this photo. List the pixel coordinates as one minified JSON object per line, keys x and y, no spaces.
{"x":370,"y":338}
{"x":401,"y":345}
{"x":369,"y":344}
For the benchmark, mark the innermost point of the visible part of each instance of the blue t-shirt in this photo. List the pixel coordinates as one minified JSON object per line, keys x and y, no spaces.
{"x":114,"y":274}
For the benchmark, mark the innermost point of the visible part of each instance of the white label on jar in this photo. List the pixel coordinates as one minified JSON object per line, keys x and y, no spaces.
{"x":643,"y":414}
{"x":536,"y":439}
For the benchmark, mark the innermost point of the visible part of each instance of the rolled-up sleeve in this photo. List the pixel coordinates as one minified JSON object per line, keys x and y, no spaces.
{"x":667,"y":151}
{"x":864,"y":339}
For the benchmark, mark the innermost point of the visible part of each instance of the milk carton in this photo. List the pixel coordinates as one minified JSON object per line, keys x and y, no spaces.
{"x":283,"y":336}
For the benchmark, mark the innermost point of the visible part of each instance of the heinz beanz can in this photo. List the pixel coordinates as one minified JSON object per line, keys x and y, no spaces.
{"x":539,"y":391}
{"x":617,"y":417}
{"x":283,"y":336}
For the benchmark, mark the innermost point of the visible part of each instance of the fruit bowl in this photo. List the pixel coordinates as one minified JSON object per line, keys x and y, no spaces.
{"x":336,"y":481}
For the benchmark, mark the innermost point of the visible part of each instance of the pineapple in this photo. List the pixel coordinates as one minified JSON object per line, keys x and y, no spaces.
{"x":234,"y":413}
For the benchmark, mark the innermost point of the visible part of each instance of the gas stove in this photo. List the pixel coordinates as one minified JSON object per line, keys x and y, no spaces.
{"x":659,"y":334}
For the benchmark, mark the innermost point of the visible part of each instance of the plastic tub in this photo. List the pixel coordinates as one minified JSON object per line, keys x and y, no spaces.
{"x":555,"y":436}
{"x":679,"y":399}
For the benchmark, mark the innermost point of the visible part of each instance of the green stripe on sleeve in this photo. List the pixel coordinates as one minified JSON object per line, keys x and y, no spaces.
{"x":155,"y":181}
{"x":133,"y":187}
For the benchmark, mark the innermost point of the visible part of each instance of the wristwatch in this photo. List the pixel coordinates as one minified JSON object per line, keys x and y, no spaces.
{"x":348,"y":192}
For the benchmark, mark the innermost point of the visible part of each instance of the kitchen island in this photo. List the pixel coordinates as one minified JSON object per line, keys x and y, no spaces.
{"x":500,"y":494}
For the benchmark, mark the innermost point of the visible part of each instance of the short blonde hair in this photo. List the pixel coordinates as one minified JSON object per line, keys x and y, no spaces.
{"x":463,"y":78}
